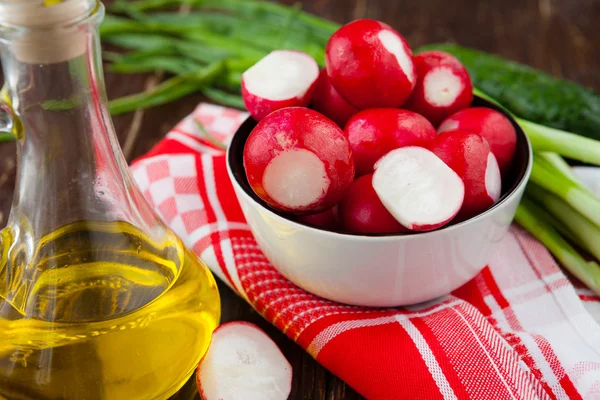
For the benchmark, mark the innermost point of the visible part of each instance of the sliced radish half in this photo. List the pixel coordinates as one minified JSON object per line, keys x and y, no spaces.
{"x":298,"y":161}
{"x":417,"y":188}
{"x":243,"y":363}
{"x":443,"y":86}
{"x":283,"y":78}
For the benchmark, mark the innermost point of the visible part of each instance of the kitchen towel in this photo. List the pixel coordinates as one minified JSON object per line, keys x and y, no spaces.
{"x":519,"y":330}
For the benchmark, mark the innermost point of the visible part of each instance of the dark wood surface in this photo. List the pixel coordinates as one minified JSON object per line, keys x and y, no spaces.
{"x":558,"y":36}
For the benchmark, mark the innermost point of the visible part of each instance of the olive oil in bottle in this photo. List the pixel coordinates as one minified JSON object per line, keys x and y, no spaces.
{"x":99,"y":299}
{"x":112,"y":315}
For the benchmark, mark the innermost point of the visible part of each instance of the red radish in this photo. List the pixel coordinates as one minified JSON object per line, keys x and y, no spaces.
{"x":417,"y":188}
{"x":242,"y":362}
{"x":327,"y":219}
{"x":469,"y":155}
{"x":328,"y":101}
{"x":492,"y":126}
{"x":373,"y":133}
{"x":443,"y":86}
{"x":283,"y":78}
{"x":361,"y":211}
{"x":370,"y":65}
{"x":298,"y":161}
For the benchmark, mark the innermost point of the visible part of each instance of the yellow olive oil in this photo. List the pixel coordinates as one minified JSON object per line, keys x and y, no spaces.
{"x":108,"y":314}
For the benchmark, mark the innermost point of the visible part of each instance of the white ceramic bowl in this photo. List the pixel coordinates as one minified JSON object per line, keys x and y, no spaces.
{"x":379,"y":270}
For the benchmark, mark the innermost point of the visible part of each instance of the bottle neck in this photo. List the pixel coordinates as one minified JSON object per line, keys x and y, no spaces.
{"x":69,"y":158}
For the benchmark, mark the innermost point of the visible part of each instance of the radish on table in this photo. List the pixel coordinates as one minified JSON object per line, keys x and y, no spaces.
{"x":298,"y":161}
{"x":283,"y":78}
{"x":242,"y":362}
{"x":418,"y":188}
{"x":370,"y":64}
{"x":328,"y":101}
{"x":469,"y":155}
{"x":361,"y":211}
{"x":492,"y":126}
{"x":373,"y":133}
{"x":443,"y":86}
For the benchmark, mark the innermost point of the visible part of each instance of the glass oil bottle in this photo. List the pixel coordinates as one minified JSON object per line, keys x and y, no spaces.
{"x":98,"y":298}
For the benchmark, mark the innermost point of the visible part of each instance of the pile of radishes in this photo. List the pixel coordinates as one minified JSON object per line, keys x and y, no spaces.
{"x":390,"y":144}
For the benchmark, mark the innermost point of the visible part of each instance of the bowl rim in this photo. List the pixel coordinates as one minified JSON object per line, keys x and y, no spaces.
{"x":514,"y":191}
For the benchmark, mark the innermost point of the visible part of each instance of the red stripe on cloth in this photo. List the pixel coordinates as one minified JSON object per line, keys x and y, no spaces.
{"x":473,"y":292}
{"x":442,"y":359}
{"x":198,"y":139}
{"x":557,"y":369}
{"x":215,"y":237}
{"x":380,"y":369}
{"x":225,"y":192}
{"x":479,"y":355}
{"x":589,"y":297}
{"x":348,"y":314}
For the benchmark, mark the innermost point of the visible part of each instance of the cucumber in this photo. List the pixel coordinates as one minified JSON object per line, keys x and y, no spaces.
{"x":529,"y":93}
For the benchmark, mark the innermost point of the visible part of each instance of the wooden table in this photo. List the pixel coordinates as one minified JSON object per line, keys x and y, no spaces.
{"x":559,"y":36}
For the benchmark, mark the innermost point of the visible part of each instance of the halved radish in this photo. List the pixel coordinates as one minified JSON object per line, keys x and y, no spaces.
{"x":242,"y":362}
{"x":283,"y":78}
{"x":469,"y":155}
{"x":417,"y":188}
{"x":373,"y":133}
{"x":327,"y":219}
{"x":361,"y":211}
{"x":492,"y":126}
{"x":328,"y":101}
{"x":298,"y":161}
{"x":443,"y":86}
{"x":370,"y":64}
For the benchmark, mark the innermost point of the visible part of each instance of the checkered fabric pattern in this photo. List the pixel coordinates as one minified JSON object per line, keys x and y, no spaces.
{"x":519,"y":330}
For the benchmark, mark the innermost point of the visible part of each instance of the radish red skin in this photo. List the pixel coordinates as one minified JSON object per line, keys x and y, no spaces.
{"x":328,"y":101}
{"x":361,"y":211}
{"x":295,"y":130}
{"x":430,"y":65}
{"x":494,"y":127}
{"x":373,"y":133}
{"x":467,"y":154}
{"x":364,"y":71}
{"x":327,"y":219}
{"x":259,"y":107}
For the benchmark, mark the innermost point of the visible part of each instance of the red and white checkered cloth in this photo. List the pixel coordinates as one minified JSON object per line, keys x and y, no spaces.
{"x":519,"y":330}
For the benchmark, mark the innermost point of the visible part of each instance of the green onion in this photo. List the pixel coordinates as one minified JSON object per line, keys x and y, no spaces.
{"x":168,"y":91}
{"x":530,"y":218}
{"x":582,"y":231}
{"x":576,"y":196}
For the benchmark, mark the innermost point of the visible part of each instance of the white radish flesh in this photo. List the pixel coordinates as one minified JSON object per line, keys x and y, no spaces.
{"x":283,"y":78}
{"x":243,"y":363}
{"x":417,"y":188}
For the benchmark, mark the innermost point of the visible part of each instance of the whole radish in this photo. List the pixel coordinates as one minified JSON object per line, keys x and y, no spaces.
{"x":492,"y":126}
{"x":370,"y":64}
{"x":469,"y":155}
{"x":361,"y":211}
{"x":283,"y":78}
{"x":417,"y":188}
{"x":242,"y":362}
{"x":443,"y":86}
{"x":298,"y":161}
{"x":373,"y":133}
{"x":328,"y":101}
{"x":327,"y":219}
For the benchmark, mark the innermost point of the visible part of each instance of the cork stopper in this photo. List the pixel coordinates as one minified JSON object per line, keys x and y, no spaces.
{"x":47,"y":31}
